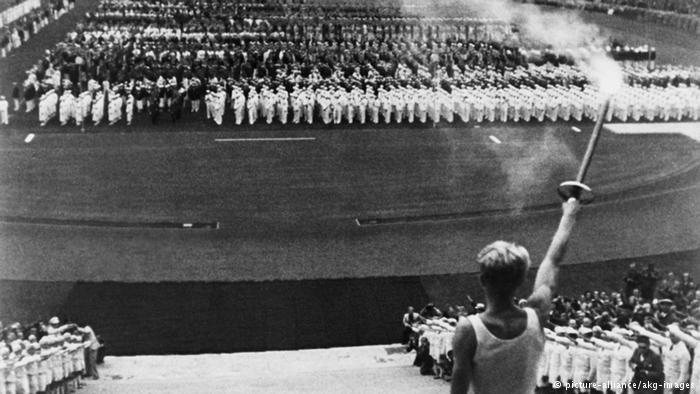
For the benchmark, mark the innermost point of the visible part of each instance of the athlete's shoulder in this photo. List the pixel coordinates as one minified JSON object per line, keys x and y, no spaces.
{"x":464,"y":341}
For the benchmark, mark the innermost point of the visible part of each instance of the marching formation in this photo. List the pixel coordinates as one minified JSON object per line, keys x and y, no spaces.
{"x":265,"y":63}
{"x":333,"y":103}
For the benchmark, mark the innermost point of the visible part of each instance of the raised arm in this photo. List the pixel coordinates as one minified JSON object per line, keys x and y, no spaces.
{"x":659,"y":340}
{"x":687,"y":338}
{"x":548,"y":272}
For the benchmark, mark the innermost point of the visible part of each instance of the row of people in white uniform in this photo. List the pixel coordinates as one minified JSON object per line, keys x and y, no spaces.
{"x":334,"y":105}
{"x":602,"y":358}
{"x":54,"y":364}
{"x":87,"y":105}
{"x":592,"y":355}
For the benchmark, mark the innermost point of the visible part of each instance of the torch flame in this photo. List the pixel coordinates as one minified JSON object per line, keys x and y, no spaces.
{"x":604,"y":73}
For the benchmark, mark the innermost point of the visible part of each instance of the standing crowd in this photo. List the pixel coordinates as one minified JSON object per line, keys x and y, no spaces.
{"x":337,"y":63}
{"x":18,"y":32}
{"x":50,"y":358}
{"x":597,"y":342}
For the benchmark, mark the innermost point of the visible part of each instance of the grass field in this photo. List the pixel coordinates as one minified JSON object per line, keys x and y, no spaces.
{"x":287,"y":209}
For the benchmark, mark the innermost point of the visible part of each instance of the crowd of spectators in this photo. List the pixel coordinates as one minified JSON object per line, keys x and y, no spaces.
{"x":594,"y":338}
{"x":47,"y":357}
{"x":18,"y":32}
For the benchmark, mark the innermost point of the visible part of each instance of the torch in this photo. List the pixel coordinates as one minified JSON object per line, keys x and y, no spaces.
{"x":577,"y":189}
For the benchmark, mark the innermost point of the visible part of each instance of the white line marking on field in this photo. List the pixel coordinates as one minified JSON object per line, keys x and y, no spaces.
{"x":29,"y":138}
{"x":576,"y":129}
{"x":269,"y":139}
{"x":494,"y":139}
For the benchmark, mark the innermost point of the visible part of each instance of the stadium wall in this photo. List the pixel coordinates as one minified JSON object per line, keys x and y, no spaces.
{"x":211,"y":317}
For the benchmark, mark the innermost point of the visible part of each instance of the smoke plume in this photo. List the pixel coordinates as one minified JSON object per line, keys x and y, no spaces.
{"x":555,"y":29}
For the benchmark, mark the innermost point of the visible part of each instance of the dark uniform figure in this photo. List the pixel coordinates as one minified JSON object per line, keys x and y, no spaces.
{"x":648,"y":368}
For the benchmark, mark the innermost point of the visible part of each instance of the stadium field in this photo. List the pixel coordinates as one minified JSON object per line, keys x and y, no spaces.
{"x":286,"y":209}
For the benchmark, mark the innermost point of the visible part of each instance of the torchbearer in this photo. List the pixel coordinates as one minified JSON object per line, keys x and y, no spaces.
{"x":497,"y":351}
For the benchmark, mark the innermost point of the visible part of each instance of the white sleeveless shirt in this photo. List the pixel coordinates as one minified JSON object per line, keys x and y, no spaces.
{"x":506,"y":365}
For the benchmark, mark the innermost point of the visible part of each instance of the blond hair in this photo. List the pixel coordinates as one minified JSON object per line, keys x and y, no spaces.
{"x":503,"y":265}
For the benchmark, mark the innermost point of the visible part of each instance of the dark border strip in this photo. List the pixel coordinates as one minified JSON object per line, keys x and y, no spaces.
{"x":376,"y":221}
{"x":110,"y":223}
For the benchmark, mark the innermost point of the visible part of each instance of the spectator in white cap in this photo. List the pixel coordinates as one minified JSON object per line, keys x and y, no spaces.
{"x":55,"y":328}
